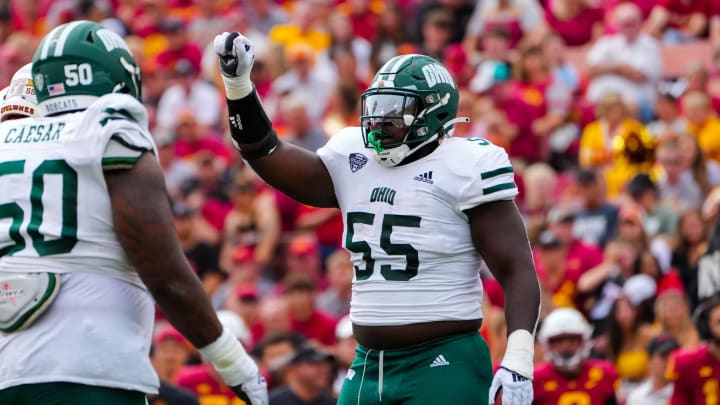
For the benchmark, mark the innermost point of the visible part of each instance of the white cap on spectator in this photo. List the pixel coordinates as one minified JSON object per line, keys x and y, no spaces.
{"x":344,"y":330}
{"x":638,"y":288}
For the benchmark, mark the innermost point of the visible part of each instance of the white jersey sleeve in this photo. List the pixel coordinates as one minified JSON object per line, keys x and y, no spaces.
{"x":122,"y":123}
{"x":483,"y":170}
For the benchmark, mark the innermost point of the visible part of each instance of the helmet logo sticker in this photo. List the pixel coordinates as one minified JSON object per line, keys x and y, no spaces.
{"x":435,"y":74}
{"x":357,"y":161}
{"x":39,"y":82}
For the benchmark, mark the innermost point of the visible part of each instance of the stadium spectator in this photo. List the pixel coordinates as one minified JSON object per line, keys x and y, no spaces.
{"x":306,"y":318}
{"x":303,"y":258}
{"x":304,"y":26}
{"x":275,"y":315}
{"x":579,"y":256}
{"x":564,"y":72}
{"x":343,"y":108}
{"x":540,"y":105}
{"x":343,"y":351}
{"x":274,"y":352}
{"x":568,"y":374}
{"x":436,"y":33}
{"x":615,"y":144}
{"x":677,"y":186}
{"x":335,"y":300}
{"x":557,"y":282}
{"x":494,"y":66}
{"x":596,"y":221}
{"x":628,"y":63}
{"x":517,"y":17}
{"x":189,"y":92}
{"x":198,"y":246}
{"x":308,"y":379}
{"x":693,"y":371}
{"x":629,"y":329}
{"x":669,"y":122}
{"x":577,"y":22}
{"x":301,"y":128}
{"x":656,"y":389}
{"x":672,"y":312}
{"x":631,"y":228}
{"x":702,"y":122}
{"x":343,"y":41}
{"x":170,"y":352}
{"x":253,"y":220}
{"x":302,"y":79}
{"x":362,"y":17}
{"x":392,"y":35}
{"x":691,"y":245}
{"x":679,"y":21}
{"x":206,"y":23}
{"x":265,"y":14}
{"x":657,"y":218}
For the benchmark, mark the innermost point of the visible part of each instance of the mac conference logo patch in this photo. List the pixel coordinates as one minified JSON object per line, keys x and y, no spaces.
{"x":357,"y":161}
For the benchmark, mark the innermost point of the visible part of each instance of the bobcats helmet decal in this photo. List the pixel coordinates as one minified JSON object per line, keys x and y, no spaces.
{"x":414,"y":92}
{"x":80,"y":61}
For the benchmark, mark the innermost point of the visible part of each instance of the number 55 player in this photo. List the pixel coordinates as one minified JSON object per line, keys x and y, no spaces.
{"x":420,"y":209}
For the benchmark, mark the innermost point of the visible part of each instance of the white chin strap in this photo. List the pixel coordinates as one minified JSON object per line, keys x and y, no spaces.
{"x":394,"y":156}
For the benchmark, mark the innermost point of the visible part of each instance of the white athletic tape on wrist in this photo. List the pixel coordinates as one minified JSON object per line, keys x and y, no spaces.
{"x":230,"y":359}
{"x":520,"y":352}
{"x":237,"y":87}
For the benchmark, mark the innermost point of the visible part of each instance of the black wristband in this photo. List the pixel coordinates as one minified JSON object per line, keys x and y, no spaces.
{"x":268,"y":146}
{"x":248,"y":121}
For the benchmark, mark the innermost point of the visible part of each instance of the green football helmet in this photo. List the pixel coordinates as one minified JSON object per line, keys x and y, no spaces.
{"x":78,"y":62}
{"x":414,"y":92}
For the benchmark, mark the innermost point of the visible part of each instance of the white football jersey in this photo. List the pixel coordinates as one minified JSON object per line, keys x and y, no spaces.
{"x":406,"y":229}
{"x":55,"y":216}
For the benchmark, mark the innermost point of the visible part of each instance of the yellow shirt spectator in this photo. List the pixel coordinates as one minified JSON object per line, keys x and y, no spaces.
{"x":621,"y":154}
{"x":708,"y":136}
{"x":702,"y":123}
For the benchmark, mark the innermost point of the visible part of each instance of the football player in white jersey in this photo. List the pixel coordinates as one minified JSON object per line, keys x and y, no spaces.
{"x":19,"y":99}
{"x":87,"y":239}
{"x":420,"y":210}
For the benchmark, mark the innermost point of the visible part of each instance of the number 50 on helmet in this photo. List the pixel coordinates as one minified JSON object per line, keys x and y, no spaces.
{"x":78,"y":62}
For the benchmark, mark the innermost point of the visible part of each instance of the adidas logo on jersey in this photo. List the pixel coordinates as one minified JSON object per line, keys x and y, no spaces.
{"x":424,"y":177}
{"x":439,"y":361}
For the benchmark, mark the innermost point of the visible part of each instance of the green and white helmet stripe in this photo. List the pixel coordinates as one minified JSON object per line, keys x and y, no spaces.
{"x":80,"y":61}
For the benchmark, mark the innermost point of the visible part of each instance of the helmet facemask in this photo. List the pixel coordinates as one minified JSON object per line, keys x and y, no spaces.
{"x":386,"y":112}
{"x":567,"y":361}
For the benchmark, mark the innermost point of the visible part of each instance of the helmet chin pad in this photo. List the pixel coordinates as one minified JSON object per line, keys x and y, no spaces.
{"x":394,"y":156}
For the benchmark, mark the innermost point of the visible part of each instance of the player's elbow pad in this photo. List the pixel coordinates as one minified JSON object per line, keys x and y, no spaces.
{"x":249,"y":124}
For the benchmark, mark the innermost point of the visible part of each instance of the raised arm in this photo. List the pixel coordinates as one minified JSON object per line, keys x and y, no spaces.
{"x":295,"y":171}
{"x":143,"y":225}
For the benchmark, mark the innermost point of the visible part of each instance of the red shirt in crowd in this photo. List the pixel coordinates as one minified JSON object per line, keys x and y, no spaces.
{"x":681,"y":10}
{"x":206,"y":385}
{"x":582,"y":256}
{"x":595,"y":384}
{"x":528,"y":104}
{"x":578,"y":30}
{"x":319,"y":326}
{"x":696,"y":374}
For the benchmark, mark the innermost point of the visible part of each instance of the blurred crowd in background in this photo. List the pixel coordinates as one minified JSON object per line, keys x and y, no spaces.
{"x":608,"y":110}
